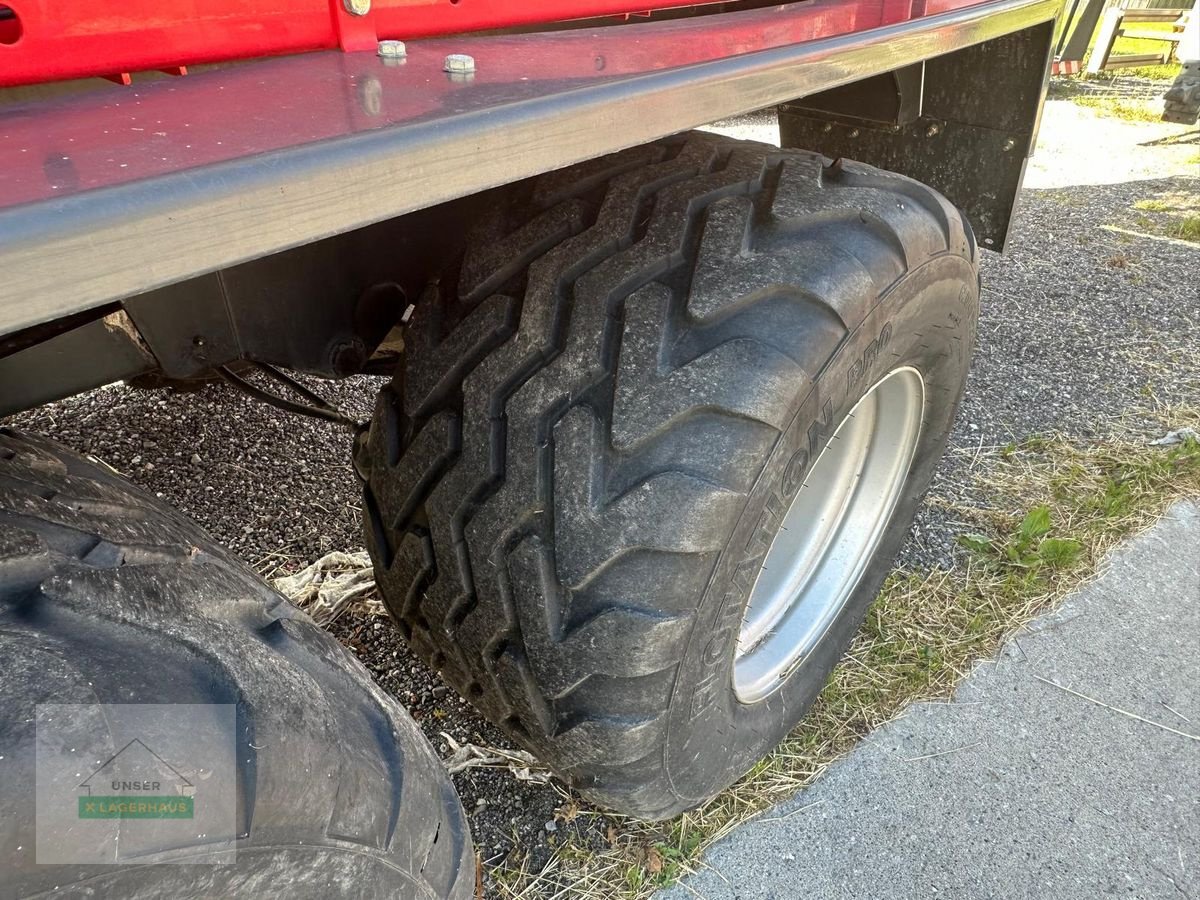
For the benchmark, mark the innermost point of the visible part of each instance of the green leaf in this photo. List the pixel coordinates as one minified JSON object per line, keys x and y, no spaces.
{"x":1035,"y":524}
{"x":976,"y":543}
{"x":1059,"y":552}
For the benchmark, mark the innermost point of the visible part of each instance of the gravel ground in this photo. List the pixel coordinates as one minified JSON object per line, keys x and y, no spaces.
{"x":1080,"y":325}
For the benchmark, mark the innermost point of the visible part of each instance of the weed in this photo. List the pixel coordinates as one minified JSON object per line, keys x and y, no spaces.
{"x":1027,"y":551}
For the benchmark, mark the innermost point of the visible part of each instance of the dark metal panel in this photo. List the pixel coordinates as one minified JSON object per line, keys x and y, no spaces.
{"x":893,"y":98}
{"x":100,"y":352}
{"x":978,"y":123}
{"x":188,"y":326}
{"x":20,"y":340}
{"x":185,"y":179}
{"x":319,"y":308}
{"x":997,"y":84}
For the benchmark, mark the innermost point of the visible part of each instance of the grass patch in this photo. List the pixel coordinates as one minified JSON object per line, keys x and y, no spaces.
{"x":1189,"y":229}
{"x":1178,"y":215}
{"x":1153,"y":205}
{"x":1056,"y":507}
{"x":1115,"y":107}
{"x":1159,"y":72}
{"x":1067,"y":198}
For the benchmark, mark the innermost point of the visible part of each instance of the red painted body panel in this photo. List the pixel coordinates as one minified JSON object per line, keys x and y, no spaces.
{"x":156,"y":128}
{"x":73,"y":38}
{"x":48,"y":40}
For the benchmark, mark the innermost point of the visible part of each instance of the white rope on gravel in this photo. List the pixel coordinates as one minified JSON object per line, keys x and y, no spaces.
{"x":522,"y":764}
{"x":332,"y":585}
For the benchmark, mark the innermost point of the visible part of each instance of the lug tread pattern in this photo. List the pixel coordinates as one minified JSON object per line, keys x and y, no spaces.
{"x":560,"y":555}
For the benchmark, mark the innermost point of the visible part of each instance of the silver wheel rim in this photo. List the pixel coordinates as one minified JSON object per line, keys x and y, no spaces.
{"x":829,"y":534}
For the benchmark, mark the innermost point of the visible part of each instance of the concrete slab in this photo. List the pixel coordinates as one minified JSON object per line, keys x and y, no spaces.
{"x":1018,"y":788}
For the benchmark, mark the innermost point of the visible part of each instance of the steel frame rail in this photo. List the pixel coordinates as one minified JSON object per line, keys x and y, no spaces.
{"x":106,"y":196}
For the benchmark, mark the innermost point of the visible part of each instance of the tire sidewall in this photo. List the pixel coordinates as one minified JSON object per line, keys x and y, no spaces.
{"x":926,"y":320}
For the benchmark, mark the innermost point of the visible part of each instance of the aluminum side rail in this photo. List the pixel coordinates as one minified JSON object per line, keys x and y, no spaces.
{"x":116,"y":192}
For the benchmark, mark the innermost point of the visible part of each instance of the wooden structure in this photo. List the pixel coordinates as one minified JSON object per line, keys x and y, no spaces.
{"x":1114,"y":25}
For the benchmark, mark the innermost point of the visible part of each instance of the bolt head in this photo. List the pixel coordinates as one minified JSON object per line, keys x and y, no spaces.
{"x":854,"y":132}
{"x":933,"y":129}
{"x":1009,"y":145}
{"x":392,"y":50}
{"x":357,"y":7}
{"x":827,"y":127}
{"x":459,"y":64}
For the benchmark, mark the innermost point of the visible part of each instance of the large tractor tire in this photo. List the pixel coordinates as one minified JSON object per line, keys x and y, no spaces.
{"x":655,"y":444}
{"x":107,"y":596}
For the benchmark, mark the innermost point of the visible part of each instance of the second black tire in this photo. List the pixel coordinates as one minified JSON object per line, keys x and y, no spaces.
{"x":634,"y":363}
{"x":110,"y":598}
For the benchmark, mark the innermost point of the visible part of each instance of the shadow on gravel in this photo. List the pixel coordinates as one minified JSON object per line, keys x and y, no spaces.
{"x":1186,"y":139}
{"x":1124,"y":87}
